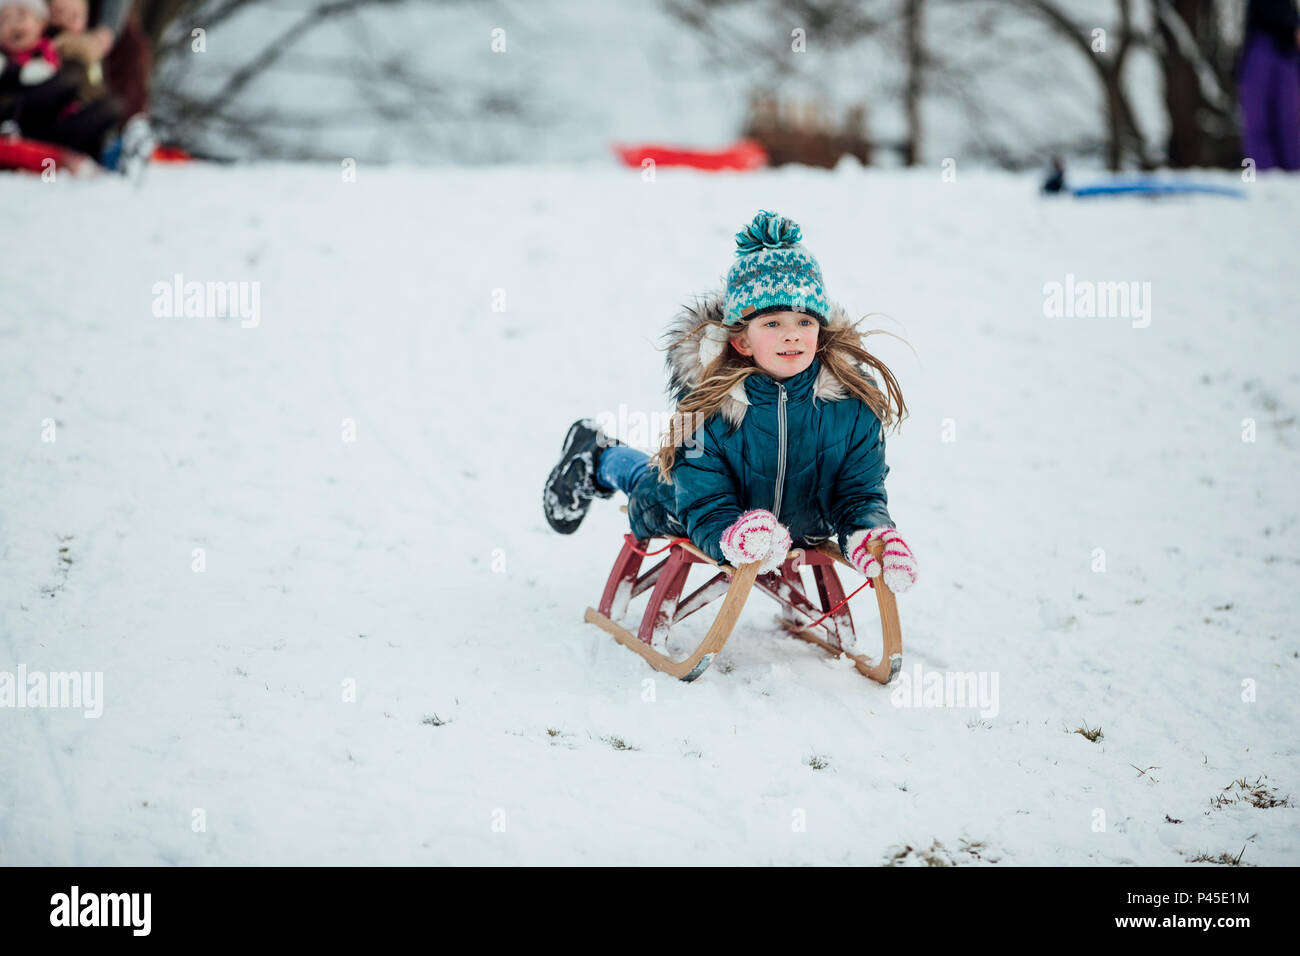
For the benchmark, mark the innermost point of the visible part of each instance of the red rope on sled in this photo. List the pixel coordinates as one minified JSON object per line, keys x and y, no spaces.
{"x":631,"y":543}
{"x":868,"y":582}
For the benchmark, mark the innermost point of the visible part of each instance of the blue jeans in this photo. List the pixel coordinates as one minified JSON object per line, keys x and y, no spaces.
{"x":622,"y":467}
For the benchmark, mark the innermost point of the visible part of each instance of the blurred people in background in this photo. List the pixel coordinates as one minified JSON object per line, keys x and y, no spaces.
{"x":40,"y":93}
{"x":1269,"y":85}
{"x":61,"y":101}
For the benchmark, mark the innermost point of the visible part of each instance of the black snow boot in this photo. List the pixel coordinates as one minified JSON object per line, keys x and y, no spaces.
{"x":572,"y":483}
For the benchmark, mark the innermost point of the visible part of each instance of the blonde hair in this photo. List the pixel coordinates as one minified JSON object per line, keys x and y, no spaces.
{"x":840,"y":349}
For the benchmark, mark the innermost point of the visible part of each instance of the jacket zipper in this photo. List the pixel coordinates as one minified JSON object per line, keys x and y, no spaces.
{"x":780,"y":458}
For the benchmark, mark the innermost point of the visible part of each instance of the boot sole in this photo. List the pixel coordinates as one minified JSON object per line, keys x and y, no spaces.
{"x":570,"y":526}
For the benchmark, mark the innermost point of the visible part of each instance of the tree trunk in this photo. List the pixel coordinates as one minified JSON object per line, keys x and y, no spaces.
{"x":1200,"y":133}
{"x":915,"y":72}
{"x":1114,"y":134}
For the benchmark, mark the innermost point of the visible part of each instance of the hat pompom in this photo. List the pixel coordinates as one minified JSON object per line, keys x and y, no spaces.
{"x":36,"y":71}
{"x":767,"y":231}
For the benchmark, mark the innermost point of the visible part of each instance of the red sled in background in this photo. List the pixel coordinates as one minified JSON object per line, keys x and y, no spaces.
{"x":742,"y":155}
{"x":36,"y":156}
{"x":33,"y":155}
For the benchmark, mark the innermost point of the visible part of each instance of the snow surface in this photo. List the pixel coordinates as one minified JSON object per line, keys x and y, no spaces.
{"x":491,"y":725}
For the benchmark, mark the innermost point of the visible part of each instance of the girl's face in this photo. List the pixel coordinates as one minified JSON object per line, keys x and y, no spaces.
{"x":782,"y":343}
{"x":20,"y":29}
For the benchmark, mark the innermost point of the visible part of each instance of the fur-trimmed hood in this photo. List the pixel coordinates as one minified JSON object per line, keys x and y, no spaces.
{"x":689,"y":353}
{"x":819,"y":466}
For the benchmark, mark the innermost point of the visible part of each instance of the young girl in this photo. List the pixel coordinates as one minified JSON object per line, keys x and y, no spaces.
{"x":777,"y":440}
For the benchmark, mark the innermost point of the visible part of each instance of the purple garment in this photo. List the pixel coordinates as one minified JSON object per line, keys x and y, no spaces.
{"x":1269,"y":87}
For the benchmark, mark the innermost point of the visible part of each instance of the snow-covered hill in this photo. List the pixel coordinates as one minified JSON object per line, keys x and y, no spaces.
{"x":317,"y":649}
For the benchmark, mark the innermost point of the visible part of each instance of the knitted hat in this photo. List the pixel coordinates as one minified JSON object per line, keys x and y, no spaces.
{"x":39,"y":7}
{"x":773,"y":273}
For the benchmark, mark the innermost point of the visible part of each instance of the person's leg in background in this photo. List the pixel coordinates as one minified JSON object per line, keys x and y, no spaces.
{"x":621,"y":468}
{"x":1256,"y":89}
{"x":1286,"y":107}
{"x":89,"y":128}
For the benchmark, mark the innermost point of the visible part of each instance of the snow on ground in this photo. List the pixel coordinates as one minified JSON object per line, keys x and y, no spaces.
{"x":492,"y":725}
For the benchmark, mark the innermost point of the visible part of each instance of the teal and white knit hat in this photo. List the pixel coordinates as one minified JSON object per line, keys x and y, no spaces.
{"x":773,"y":273}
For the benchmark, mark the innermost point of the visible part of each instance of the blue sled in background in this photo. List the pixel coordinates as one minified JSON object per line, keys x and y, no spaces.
{"x":1155,"y":187}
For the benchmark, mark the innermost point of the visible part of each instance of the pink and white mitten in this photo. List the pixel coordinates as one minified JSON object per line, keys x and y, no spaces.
{"x":756,"y":536}
{"x":899,"y":564}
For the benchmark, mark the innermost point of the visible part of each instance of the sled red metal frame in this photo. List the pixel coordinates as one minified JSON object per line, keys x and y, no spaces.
{"x":799,"y":613}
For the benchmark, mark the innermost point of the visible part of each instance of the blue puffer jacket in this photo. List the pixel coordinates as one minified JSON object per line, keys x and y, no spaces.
{"x":805,"y":448}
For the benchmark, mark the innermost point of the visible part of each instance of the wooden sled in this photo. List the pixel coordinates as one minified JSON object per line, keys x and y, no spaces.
{"x":667,"y":607}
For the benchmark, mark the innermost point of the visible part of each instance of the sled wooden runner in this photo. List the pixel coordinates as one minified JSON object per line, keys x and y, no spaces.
{"x":800,"y":613}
